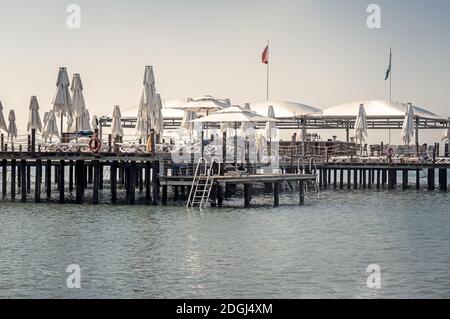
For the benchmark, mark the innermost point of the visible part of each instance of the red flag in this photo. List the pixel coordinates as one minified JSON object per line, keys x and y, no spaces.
{"x":265,"y":55}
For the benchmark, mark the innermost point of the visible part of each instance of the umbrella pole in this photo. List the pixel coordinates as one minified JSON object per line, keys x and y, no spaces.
{"x":61,"y":126}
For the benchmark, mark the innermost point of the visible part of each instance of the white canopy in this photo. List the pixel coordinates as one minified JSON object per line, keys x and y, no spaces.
{"x":50,"y":127}
{"x":234,"y":114}
{"x":284,"y":109}
{"x":205,"y":104}
{"x":361,"y":125}
{"x":408,"y":125}
{"x":116,"y":127}
{"x":375,"y":109}
{"x":2,"y":119}
{"x":12,"y":128}
{"x":34,"y":120}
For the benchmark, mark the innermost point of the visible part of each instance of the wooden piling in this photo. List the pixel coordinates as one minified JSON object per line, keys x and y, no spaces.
{"x":155,"y":182}
{"x":71,"y":176}
{"x":13,"y":179}
{"x":276,"y":194}
{"x":148,"y":196}
{"x":301,"y":190}
{"x":431,"y":179}
{"x":247,"y":194}
{"x":405,"y":178}
{"x":443,"y":179}
{"x":61,"y":180}
{"x":113,"y":177}
{"x":23,"y":174}
{"x":48,"y":178}
{"x":37,"y":181}
{"x":164,"y":197}
{"x":79,"y":181}
{"x":96,"y":184}
{"x":4,"y":177}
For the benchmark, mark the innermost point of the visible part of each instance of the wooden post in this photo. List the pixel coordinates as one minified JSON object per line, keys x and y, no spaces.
{"x":79,"y":180}
{"x":364,"y":177}
{"x":341,"y":178}
{"x":405,"y":178}
{"x":355,"y":178}
{"x":2,"y":142}
{"x":446,"y":151}
{"x":96,"y":185}
{"x":349,"y":178}
{"x":148,"y":196}
{"x":90,"y":168}
{"x":335,"y":178}
{"x":155,"y":182}
{"x":301,"y":189}
{"x":417,"y":178}
{"x":443,"y":179}
{"x":381,"y":149}
{"x":247,"y":194}
{"x":431,"y":178}
{"x":19,"y":175}
{"x":28,"y":178}
{"x":71,"y":176}
{"x":37,"y":182}
{"x":219,"y":195}
{"x":370,"y":180}
{"x":61,"y":181}
{"x":48,"y":178}
{"x":113,"y":176}
{"x":13,"y":179}
{"x":378,"y":179}
{"x":4,"y":177}
{"x":276,"y":194}
{"x":33,"y":140}
{"x":23,"y":174}
{"x":109,"y":143}
{"x":164,"y":195}
{"x":100,"y":181}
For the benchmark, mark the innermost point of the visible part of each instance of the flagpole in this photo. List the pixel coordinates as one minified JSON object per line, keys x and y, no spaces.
{"x":390,"y":87}
{"x":267,"y":89}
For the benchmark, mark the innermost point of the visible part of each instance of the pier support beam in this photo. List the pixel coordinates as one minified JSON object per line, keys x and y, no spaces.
{"x":148,"y":196}
{"x":48,"y":178}
{"x":247,"y":194}
{"x":61,"y":181}
{"x":349,"y":179}
{"x":132,"y":183}
{"x":392,"y":176}
{"x":23,"y":175}
{"x":13,"y":179}
{"x":4,"y":177}
{"x":405,"y":178}
{"x":96,"y":185}
{"x":443,"y":179}
{"x":37,"y":181}
{"x":79,"y":180}
{"x":113,"y":176}
{"x":431,"y":179}
{"x":155,"y":182}
{"x":301,"y":190}
{"x":276,"y":194}
{"x":71,"y":176}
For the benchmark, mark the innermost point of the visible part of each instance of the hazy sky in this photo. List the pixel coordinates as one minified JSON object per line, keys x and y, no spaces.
{"x":322,"y":52}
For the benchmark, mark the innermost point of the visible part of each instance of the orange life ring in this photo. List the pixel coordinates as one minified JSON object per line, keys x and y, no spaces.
{"x":95,"y":144}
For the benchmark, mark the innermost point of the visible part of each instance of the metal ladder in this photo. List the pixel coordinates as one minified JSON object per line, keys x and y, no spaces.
{"x":315,"y":183}
{"x":202,"y":184}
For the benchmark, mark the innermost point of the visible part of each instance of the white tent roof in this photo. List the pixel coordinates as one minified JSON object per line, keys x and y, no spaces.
{"x":234,"y":114}
{"x":283,"y":109}
{"x":375,"y":108}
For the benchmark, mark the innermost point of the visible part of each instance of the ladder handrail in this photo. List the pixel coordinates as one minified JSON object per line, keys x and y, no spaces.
{"x":196,"y":177}
{"x":208,"y":184}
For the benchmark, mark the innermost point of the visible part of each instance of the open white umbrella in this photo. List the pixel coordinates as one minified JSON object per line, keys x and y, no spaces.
{"x":34,"y":120}
{"x":50,"y":128}
{"x":2,"y":119}
{"x":203,"y":105}
{"x":270,"y":130}
{"x":408,"y":125}
{"x":361,"y":125}
{"x":12,"y":128}
{"x":234,"y":114}
{"x":62,"y":102}
{"x":116,"y":126}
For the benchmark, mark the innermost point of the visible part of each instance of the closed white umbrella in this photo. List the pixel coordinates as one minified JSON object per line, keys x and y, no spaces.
{"x":2,"y":119}
{"x":95,"y":122}
{"x":84,"y":121}
{"x":408,"y":125}
{"x":34,"y":120}
{"x":361,"y":125}
{"x":270,"y":130}
{"x":157,"y":118}
{"x":446,"y":135}
{"x":247,"y":128}
{"x":62,"y":101}
{"x":50,"y":128}
{"x":116,"y":126}
{"x":147,"y":103}
{"x":12,"y":128}
{"x":45,"y":121}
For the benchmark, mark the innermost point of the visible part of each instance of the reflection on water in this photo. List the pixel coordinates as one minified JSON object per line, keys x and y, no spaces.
{"x":319,"y":250}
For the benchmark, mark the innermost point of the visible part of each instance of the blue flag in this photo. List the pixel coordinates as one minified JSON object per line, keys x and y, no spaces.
{"x":388,"y":72}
